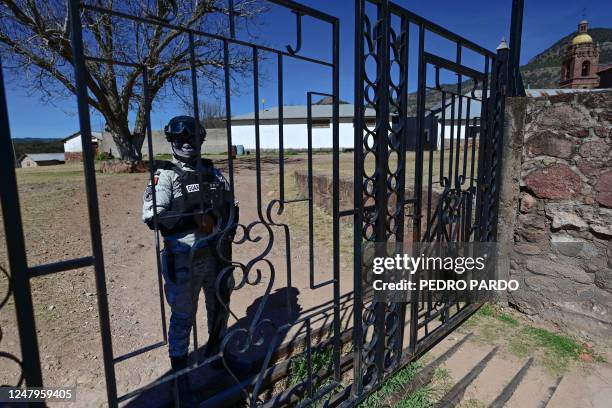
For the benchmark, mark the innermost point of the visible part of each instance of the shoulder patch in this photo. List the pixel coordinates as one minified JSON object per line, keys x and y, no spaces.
{"x":148,"y":194}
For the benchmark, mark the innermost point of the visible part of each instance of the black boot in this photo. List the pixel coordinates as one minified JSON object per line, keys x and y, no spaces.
{"x":186,"y":399}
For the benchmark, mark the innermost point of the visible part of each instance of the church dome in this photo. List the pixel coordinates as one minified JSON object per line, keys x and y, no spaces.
{"x":582,"y":38}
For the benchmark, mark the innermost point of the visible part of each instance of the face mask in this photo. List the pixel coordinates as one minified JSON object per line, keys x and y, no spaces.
{"x":184,"y":152}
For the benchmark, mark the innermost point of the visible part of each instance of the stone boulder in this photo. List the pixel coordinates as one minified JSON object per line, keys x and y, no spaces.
{"x":556,"y":181}
{"x":550,"y":144}
{"x":528,"y":203}
{"x":569,"y":215}
{"x":596,"y":100}
{"x":589,"y":168}
{"x":603,"y":131}
{"x":563,"y":216}
{"x":562,"y":116}
{"x":604,"y":189}
{"x":603,"y":279}
{"x":594,"y":149}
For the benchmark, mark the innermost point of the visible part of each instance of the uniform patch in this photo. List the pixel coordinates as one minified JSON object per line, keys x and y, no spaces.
{"x":192,"y":188}
{"x":148,"y":194}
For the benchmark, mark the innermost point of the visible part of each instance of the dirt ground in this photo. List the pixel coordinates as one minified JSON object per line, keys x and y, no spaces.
{"x":54,"y":212}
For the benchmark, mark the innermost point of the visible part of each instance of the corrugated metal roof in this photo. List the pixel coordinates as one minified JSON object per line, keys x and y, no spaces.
{"x":299,"y":112}
{"x":537,"y":93}
{"x":45,"y":156}
{"x":347,"y":110}
{"x":603,"y":68}
{"x":475,"y":107}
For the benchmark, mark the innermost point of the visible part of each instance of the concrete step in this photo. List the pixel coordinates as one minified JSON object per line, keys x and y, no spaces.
{"x":589,"y":387}
{"x":457,"y":392}
{"x":509,"y":389}
{"x":486,"y":376}
{"x":495,"y":383}
{"x":550,"y":392}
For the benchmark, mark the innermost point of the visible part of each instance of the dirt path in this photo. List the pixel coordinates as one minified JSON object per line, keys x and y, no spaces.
{"x":56,"y":227}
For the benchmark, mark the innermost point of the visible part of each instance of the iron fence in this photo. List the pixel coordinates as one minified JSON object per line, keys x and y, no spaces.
{"x":459,"y":203}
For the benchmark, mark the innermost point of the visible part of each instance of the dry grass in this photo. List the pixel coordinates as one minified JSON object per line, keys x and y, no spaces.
{"x":322,"y":164}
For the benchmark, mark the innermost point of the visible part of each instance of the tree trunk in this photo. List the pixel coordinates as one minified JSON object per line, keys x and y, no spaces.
{"x":124,"y":145}
{"x":129,"y":143}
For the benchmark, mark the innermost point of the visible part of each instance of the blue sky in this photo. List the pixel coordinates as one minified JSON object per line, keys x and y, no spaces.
{"x":482,"y":21}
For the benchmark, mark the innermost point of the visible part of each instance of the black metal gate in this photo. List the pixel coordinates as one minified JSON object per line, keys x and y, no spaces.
{"x":453,"y":196}
{"x":445,"y":190}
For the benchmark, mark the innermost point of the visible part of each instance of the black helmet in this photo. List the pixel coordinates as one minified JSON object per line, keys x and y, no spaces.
{"x":182,"y":128}
{"x":180,"y":132}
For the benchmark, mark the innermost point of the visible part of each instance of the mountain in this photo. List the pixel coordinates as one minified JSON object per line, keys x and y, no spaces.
{"x":328,"y":101}
{"x":37,"y":145}
{"x":544,"y":70}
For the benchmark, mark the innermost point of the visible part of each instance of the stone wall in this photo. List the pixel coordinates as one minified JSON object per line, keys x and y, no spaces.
{"x":556,"y":209}
{"x":71,"y":157}
{"x":323,"y":190}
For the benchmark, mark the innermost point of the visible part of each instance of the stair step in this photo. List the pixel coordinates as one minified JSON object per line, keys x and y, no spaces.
{"x":455,"y":395}
{"x":588,"y":386}
{"x":550,"y":392}
{"x":491,"y":383}
{"x":532,"y":389}
{"x":509,"y":389}
{"x":425,"y":375}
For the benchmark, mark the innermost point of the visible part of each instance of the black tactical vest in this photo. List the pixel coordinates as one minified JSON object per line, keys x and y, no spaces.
{"x":200,"y":190}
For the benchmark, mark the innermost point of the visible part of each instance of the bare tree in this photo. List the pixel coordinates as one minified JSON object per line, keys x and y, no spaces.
{"x":35,"y":40}
{"x":212,"y":114}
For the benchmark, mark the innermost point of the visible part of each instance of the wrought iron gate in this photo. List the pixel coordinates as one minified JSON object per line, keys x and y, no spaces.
{"x":398,"y":196}
{"x":459,"y":203}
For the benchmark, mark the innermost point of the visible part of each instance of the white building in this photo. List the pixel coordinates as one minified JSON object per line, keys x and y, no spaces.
{"x":73,"y":149}
{"x":295,"y":130}
{"x":40,"y":159}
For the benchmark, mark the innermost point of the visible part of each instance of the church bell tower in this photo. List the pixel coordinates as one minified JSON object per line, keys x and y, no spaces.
{"x":581,"y":60}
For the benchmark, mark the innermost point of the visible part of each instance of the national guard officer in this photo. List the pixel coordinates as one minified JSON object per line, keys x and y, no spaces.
{"x":194,"y":206}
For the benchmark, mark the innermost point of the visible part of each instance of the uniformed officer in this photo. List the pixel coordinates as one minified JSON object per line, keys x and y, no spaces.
{"x":194,"y":208}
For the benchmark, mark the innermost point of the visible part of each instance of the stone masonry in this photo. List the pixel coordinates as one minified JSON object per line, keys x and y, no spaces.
{"x":556,"y":209}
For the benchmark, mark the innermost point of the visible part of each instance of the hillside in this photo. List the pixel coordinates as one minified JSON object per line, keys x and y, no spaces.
{"x":544,"y":70}
{"x":37,"y":145}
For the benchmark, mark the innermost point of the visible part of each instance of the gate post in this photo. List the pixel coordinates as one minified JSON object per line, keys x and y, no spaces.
{"x":358,"y":123}
{"x":495,"y":132}
{"x":19,"y":282}
{"x":80,"y":78}
{"x":515,"y":80}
